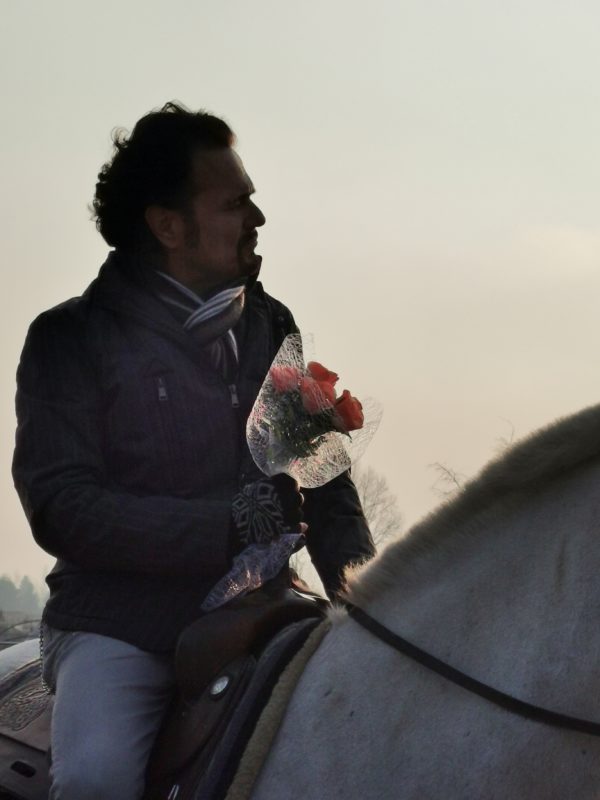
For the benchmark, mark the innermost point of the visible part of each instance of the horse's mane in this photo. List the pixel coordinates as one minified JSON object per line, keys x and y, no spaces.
{"x":527,"y":466}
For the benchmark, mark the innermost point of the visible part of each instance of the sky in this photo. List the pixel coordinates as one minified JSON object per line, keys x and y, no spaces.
{"x":430,"y":174}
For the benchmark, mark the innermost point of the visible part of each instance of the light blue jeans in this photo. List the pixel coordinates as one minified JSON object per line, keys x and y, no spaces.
{"x":110,"y":698}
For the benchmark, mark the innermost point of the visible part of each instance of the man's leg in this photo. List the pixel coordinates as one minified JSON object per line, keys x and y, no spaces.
{"x":110,"y":700}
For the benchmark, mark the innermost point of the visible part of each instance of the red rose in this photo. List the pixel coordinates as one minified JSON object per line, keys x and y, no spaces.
{"x":321,"y":373}
{"x":316,"y":396}
{"x":285,"y":379}
{"x":349,"y":412}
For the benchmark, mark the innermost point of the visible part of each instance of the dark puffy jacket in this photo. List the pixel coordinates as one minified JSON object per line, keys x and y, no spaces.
{"x":129,"y":450}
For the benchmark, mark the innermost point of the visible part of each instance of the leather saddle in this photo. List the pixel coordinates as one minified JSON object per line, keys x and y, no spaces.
{"x":227,"y":661}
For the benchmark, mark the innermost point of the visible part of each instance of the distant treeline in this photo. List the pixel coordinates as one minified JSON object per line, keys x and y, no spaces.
{"x":20,"y":597}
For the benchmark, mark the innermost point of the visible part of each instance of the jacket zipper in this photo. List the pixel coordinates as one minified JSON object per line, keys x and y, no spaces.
{"x":165,"y":416}
{"x":163,"y":395}
{"x":235,"y":400}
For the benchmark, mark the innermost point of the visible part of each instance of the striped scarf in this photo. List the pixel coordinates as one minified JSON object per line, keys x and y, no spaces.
{"x":209,"y":320}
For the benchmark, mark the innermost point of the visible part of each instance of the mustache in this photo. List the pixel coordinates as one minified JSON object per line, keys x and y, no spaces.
{"x":249,"y":237}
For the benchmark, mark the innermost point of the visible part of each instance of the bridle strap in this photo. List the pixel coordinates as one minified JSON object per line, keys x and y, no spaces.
{"x":467,"y":682}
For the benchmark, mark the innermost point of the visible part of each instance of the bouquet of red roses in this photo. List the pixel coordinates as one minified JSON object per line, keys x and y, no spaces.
{"x":301,"y":426}
{"x":308,"y":407}
{"x":298,"y":425}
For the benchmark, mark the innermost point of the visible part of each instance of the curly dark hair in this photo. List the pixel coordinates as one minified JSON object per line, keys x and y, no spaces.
{"x":152,"y":165}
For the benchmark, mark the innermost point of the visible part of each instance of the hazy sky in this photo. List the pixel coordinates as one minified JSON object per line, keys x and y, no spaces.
{"x":429,"y":172}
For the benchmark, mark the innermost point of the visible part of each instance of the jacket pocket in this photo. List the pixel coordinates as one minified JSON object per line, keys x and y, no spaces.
{"x":141,"y":444}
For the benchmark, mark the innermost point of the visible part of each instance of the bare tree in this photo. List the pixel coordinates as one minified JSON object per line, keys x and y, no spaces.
{"x":380,"y":507}
{"x":448,"y":481}
{"x":379,"y":503}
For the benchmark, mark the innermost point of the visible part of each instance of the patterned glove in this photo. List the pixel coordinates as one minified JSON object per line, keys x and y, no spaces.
{"x":265,"y":509}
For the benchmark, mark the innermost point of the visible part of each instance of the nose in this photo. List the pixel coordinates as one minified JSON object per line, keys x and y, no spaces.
{"x":258,"y":218}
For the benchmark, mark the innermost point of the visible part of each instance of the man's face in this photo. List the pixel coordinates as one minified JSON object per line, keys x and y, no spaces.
{"x":221,"y":222}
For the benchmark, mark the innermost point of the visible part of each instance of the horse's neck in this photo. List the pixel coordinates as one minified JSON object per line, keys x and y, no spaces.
{"x":511,"y":596}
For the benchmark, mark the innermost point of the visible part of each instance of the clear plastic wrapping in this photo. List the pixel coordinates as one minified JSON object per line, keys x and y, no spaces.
{"x":300,"y":426}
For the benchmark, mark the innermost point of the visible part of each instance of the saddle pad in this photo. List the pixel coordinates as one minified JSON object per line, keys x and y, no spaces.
{"x":259,"y":745}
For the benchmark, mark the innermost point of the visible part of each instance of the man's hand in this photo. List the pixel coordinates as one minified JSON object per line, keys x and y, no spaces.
{"x":266,"y":508}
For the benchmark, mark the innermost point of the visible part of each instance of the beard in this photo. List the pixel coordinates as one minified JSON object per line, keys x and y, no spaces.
{"x":248,"y":262}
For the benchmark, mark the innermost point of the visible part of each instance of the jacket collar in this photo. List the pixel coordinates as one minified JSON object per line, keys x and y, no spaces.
{"x":122,"y":287}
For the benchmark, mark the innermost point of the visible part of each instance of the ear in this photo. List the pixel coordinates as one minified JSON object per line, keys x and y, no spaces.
{"x":167,"y":226}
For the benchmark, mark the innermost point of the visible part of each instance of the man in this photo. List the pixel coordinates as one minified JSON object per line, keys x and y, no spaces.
{"x":131,"y":461}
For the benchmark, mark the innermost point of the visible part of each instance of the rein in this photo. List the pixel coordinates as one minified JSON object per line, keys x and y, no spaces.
{"x":495,"y":696}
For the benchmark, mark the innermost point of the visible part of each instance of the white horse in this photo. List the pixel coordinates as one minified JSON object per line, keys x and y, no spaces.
{"x":503,"y":583}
